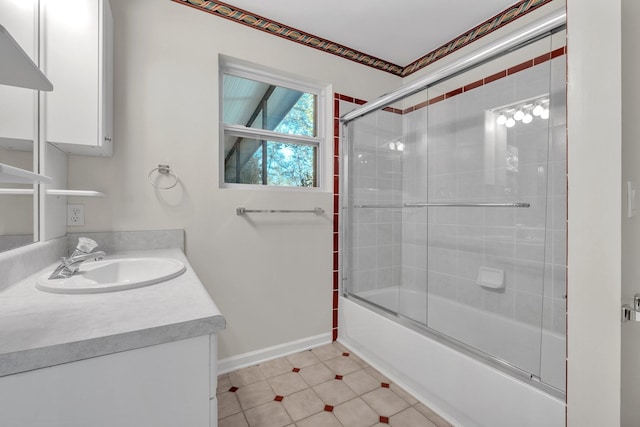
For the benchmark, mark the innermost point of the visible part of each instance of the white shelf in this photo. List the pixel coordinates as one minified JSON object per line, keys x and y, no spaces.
{"x":17,"y":68}
{"x":79,"y":193}
{"x":13,"y":175}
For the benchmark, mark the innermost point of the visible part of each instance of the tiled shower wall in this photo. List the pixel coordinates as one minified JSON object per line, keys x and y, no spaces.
{"x":449,"y":158}
{"x":376,"y":180}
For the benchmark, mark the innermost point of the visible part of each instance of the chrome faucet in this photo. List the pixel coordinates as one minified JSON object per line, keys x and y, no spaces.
{"x":70,"y":265}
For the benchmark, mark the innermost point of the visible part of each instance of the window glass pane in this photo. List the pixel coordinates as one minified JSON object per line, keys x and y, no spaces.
{"x":251,"y":161}
{"x":263,"y":106}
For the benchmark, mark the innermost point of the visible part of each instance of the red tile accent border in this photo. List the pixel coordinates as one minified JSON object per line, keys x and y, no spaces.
{"x":295,"y":370}
{"x":558,"y":52}
{"x":233,"y":389}
{"x":496,"y":76}
{"x":542,"y":58}
{"x":336,"y":213}
{"x":436,"y":99}
{"x":453,"y":93}
{"x":328,"y":408}
{"x":287,"y":32}
{"x":384,"y":420}
{"x":338,"y":377}
{"x":473,"y":85}
{"x":520,"y":67}
{"x":384,"y":385}
{"x":392,"y":110}
{"x":278,"y":398}
{"x":345,"y":354}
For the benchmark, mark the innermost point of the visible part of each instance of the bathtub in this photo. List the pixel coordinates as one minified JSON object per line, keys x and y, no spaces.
{"x":465,"y":390}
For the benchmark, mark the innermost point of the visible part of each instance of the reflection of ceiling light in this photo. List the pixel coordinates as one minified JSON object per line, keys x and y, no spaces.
{"x":524,"y":111}
{"x":518,"y":115}
{"x":538,"y":110}
{"x":396,"y":145}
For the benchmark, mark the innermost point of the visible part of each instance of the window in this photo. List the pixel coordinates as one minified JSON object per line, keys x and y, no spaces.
{"x":271,"y":129}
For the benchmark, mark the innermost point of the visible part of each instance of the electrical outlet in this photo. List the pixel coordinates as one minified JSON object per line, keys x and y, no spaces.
{"x":75,"y":215}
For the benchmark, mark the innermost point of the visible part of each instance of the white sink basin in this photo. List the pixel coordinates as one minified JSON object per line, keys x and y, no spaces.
{"x":113,"y":275}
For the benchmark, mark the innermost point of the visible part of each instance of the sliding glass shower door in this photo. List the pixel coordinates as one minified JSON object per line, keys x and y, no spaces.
{"x":455,"y":211}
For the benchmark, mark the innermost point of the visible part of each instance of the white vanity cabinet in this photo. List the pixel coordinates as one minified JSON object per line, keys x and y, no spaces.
{"x":164,"y":385}
{"x":76,"y":38}
{"x":18,"y":118}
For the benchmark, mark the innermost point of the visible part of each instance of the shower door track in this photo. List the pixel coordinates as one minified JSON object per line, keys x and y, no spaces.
{"x":463,"y":348}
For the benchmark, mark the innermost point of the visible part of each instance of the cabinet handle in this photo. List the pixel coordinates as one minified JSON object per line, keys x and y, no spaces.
{"x":107,"y":138}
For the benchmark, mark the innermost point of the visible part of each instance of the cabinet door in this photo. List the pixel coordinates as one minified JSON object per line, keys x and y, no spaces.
{"x":164,"y":385}
{"x":74,"y":50}
{"x":17,"y":105}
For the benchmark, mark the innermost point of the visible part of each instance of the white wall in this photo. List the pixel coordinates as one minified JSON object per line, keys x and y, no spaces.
{"x":269,"y":275}
{"x":630,"y":226}
{"x":594,"y":212}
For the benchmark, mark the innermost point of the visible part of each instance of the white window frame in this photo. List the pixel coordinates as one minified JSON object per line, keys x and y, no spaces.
{"x":243,"y":69}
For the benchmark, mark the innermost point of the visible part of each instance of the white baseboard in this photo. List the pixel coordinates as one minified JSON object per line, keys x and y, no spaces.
{"x":255,"y":357}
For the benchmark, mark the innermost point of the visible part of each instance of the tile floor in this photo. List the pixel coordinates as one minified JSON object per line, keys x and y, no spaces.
{"x":324,"y":387}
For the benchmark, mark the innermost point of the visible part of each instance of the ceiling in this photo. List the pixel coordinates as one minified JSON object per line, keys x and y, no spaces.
{"x":397,"y":31}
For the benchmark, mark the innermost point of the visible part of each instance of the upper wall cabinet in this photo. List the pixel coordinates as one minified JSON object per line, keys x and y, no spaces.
{"x":76,"y":39}
{"x":18,"y":119}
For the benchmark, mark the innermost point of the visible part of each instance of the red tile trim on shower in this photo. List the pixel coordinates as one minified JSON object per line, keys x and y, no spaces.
{"x":558,"y":52}
{"x":337,"y":97}
{"x":453,"y":93}
{"x":473,"y":85}
{"x":497,"y":76}
{"x":287,"y":32}
{"x":434,"y":100}
{"x":520,"y":67}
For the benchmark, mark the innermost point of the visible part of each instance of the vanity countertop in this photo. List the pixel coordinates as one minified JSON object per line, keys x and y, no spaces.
{"x":40,"y":329}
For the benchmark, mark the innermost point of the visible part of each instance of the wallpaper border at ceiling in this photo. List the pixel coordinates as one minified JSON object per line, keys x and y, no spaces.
{"x":266,"y":25}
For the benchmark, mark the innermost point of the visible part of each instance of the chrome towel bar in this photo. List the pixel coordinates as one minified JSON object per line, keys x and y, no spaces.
{"x":242,"y":211}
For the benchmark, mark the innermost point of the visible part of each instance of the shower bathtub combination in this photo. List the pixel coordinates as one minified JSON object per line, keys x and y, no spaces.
{"x":453,"y":239}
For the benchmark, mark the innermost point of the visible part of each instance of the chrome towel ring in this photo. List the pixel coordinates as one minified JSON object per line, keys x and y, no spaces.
{"x":166,"y":171}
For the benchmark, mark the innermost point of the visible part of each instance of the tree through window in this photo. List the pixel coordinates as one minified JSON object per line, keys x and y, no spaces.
{"x":270,"y":133}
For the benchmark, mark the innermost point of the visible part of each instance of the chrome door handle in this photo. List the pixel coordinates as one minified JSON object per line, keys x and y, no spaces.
{"x":632,"y":313}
